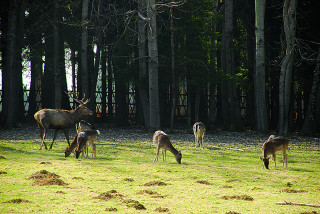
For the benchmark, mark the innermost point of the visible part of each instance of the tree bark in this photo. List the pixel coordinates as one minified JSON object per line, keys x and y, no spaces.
{"x":153,"y":66}
{"x":10,"y":72}
{"x":309,"y":118}
{"x":84,"y":48}
{"x":143,"y":75}
{"x":174,"y":84}
{"x":56,"y":67}
{"x":289,"y":21}
{"x":259,"y":77}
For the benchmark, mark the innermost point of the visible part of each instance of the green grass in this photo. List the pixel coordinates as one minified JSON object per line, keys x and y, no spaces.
{"x":207,"y":181}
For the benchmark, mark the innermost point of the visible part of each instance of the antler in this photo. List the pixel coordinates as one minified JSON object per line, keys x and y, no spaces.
{"x":81,"y":102}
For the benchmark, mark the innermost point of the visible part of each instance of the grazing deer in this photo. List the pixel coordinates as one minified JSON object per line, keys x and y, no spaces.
{"x":273,"y":145}
{"x":83,"y":126}
{"x":81,"y":140}
{"x":199,"y":130}
{"x":162,"y":141}
{"x":60,"y":119}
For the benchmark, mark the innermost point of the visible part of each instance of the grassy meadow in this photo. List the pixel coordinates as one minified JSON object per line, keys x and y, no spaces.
{"x":124,"y":179}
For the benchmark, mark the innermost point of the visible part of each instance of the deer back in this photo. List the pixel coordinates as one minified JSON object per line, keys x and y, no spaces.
{"x":272,"y":145}
{"x":83,"y":126}
{"x":199,"y":128}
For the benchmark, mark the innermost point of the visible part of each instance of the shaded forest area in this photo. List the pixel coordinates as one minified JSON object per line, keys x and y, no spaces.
{"x":232,"y":64}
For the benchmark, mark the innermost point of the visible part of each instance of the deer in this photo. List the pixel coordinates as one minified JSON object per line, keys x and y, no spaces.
{"x":161,"y":141}
{"x":60,"y":119}
{"x":273,"y":145}
{"x":83,"y":126}
{"x":199,"y":130}
{"x":80,"y":142}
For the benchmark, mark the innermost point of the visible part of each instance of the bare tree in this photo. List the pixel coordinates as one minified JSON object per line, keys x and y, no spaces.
{"x":310,"y":113}
{"x":153,"y":66}
{"x":56,"y":67}
{"x":259,"y":77}
{"x":84,"y":48}
{"x":231,"y":101}
{"x":289,"y":21}
{"x":143,"y":77}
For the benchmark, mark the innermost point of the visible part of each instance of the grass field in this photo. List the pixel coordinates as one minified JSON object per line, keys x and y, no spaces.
{"x":124,"y":179}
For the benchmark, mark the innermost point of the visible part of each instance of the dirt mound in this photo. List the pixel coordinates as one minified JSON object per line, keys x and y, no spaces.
{"x":312,"y":212}
{"x":204,"y":182}
{"x":134,"y":204}
{"x":149,"y":192}
{"x":238,"y":197}
{"x":108,"y":195}
{"x":43,"y":174}
{"x":45,"y":162}
{"x":128,"y":179}
{"x":161,"y":210}
{"x":155,"y":183}
{"x":293,"y":191}
{"x":77,"y":178}
{"x":232,"y":212}
{"x":60,"y":192}
{"x":44,"y":178}
{"x":2,"y":172}
{"x":1,"y":157}
{"x":17,"y":201}
{"x":111,"y":209}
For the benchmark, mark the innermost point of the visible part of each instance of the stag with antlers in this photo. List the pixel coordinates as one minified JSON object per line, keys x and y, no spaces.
{"x":60,"y":119}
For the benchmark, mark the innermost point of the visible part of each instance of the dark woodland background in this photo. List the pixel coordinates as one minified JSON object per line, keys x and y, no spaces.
{"x":231,"y":64}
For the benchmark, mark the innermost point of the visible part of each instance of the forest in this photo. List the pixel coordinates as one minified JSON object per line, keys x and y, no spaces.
{"x":232,"y":64}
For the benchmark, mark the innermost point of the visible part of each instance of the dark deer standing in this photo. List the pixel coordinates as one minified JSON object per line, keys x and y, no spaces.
{"x":60,"y":119}
{"x":80,"y":142}
{"x":162,"y":141}
{"x":199,"y":130}
{"x":273,"y":145}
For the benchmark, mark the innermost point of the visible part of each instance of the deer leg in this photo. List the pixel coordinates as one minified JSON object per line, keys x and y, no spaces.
{"x":66,"y":133}
{"x":165,"y":155}
{"x":93,"y":150}
{"x":275,"y":162}
{"x":54,"y":137}
{"x":285,"y":159}
{"x":157,"y":154}
{"x":43,"y":133}
{"x":87,"y":149}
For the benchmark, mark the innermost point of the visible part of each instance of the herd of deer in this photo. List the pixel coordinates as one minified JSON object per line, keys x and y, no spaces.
{"x":59,"y":119}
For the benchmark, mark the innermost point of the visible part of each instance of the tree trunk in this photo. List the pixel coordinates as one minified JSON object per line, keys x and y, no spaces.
{"x":230,"y":68}
{"x":153,"y":66}
{"x":56,"y":67}
{"x":174,"y":85}
{"x":289,"y":21}
{"x":10,"y":92}
{"x":84,"y":48}
{"x":224,"y":89}
{"x":259,"y":78}
{"x":110,"y":88}
{"x":143,"y":75}
{"x":309,"y":118}
{"x":36,"y":73}
{"x":104,"y":82}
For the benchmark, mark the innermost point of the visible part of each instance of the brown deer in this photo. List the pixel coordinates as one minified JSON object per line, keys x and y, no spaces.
{"x":273,"y":145}
{"x":162,"y":141}
{"x":60,"y":119}
{"x":83,"y":126}
{"x":199,"y":130}
{"x":80,"y":142}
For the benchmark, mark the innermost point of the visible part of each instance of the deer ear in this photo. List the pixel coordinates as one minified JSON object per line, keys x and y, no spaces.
{"x":261,"y":158}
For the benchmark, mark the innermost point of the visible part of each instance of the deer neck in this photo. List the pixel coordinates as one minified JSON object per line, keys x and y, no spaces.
{"x":172,"y":149}
{"x":76,"y":115}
